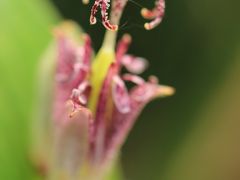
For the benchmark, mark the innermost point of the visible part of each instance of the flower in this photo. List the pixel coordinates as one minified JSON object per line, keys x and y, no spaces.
{"x":93,"y":110}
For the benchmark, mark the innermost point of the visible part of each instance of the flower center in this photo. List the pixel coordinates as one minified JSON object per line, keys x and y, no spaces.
{"x":106,"y":55}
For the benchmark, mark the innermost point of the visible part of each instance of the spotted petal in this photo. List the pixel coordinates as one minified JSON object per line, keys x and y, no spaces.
{"x":120,"y":95}
{"x":134,"y":64}
{"x":139,"y":97}
{"x":71,"y":143}
{"x":73,"y":66}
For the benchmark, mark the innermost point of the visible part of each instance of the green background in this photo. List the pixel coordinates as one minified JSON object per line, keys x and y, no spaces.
{"x":193,"y":135}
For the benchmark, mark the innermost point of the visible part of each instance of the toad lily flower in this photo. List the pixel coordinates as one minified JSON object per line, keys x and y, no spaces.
{"x":93,"y":110}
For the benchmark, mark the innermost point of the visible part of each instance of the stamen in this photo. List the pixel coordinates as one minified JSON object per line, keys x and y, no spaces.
{"x":156,"y":14}
{"x":105,"y":20}
{"x":117,"y":9}
{"x":94,"y":11}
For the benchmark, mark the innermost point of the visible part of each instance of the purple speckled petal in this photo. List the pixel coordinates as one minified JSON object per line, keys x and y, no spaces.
{"x":140,"y":95}
{"x":73,"y":67}
{"x":81,"y":94}
{"x":122,"y":48}
{"x":134,"y":64}
{"x":133,"y":78}
{"x":71,"y":142}
{"x":65,"y":58}
{"x":120,"y":95}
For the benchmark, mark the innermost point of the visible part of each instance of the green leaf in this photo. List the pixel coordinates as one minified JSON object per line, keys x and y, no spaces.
{"x":24,"y":33}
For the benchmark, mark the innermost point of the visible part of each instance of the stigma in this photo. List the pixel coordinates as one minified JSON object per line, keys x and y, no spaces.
{"x":155,"y":15}
{"x":111,"y":23}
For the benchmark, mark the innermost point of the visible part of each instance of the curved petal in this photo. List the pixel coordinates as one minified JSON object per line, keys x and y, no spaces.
{"x":134,"y":64}
{"x":72,"y":69}
{"x":71,"y":143}
{"x":122,"y":47}
{"x":133,"y":78}
{"x":139,"y":97}
{"x":80,"y":95}
{"x":120,"y":95}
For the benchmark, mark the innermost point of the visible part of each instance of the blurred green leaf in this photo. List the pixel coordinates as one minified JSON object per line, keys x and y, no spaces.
{"x":24,"y":33}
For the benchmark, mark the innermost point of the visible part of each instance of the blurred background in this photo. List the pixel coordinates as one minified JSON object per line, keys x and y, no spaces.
{"x":193,"y":135}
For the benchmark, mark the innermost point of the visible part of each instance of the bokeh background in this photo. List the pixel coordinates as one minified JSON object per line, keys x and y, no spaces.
{"x":193,"y":135}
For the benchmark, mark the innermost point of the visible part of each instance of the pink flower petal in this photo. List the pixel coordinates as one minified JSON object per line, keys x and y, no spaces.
{"x":133,"y":64}
{"x":66,"y":57}
{"x":120,"y":95}
{"x":133,"y":78}
{"x":80,"y":95}
{"x":122,"y":47}
{"x":73,"y":67}
{"x":139,"y":97}
{"x":71,"y":138}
